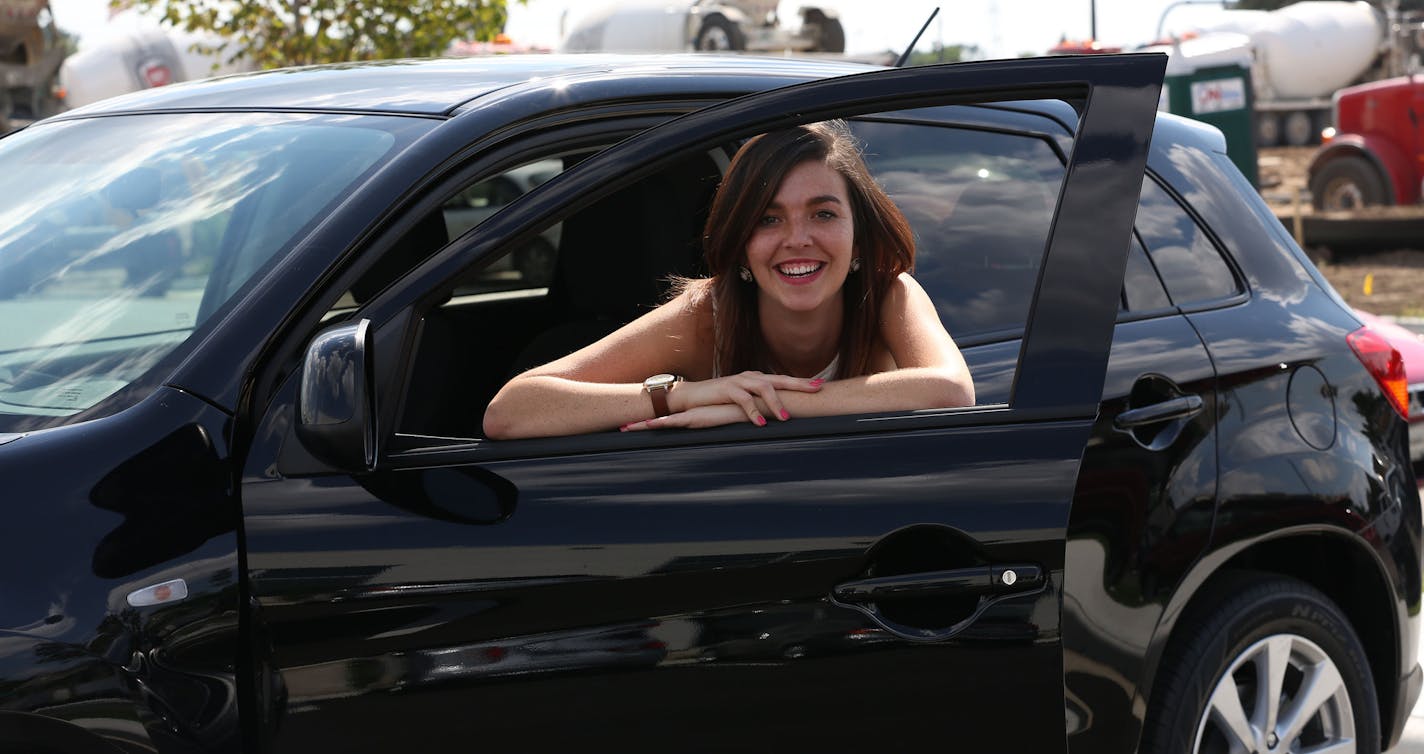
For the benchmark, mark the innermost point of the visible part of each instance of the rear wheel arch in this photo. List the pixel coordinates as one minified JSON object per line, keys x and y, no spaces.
{"x":1332,"y":561}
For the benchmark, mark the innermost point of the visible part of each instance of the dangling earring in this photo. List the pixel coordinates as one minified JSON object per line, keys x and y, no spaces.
{"x":744,"y":273}
{"x":855,"y":264}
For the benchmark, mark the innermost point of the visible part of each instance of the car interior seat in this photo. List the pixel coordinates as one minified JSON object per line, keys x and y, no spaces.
{"x":618,"y":258}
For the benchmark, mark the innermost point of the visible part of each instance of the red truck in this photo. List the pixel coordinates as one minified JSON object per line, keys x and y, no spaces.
{"x":1376,"y":156}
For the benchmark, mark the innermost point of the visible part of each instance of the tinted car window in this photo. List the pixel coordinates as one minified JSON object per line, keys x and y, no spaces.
{"x":1191,"y":267}
{"x":117,"y":245}
{"x":527,"y":268}
{"x":1141,"y":288}
{"x":980,"y":203}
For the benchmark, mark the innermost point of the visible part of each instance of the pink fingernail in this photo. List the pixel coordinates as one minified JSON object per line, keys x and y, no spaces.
{"x":817,"y":382}
{"x":760,"y":422}
{"x":785,"y":414}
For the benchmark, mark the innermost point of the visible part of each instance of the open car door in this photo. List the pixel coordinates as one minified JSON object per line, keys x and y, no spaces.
{"x":836,"y":583}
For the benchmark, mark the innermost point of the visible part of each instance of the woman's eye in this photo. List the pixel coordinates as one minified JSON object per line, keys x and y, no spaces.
{"x":825,"y":214}
{"x":768,"y":220}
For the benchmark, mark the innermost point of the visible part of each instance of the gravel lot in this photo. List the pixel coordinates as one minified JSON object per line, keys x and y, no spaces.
{"x":1382,"y":282}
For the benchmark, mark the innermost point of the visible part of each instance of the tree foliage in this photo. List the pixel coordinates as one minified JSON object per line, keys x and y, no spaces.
{"x":277,"y":33}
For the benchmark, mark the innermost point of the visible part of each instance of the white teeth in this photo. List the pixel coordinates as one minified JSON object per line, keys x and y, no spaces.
{"x":798,"y":269}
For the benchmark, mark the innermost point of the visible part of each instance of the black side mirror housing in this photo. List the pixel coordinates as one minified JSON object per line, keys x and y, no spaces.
{"x":336,"y":416}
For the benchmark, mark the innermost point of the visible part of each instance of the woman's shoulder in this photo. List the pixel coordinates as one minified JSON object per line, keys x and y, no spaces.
{"x":902,"y":290}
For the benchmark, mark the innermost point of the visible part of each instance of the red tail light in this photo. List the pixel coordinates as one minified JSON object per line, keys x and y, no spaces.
{"x":1385,"y":365}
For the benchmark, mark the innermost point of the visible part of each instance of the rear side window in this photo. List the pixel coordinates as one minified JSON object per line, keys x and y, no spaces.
{"x":1190,"y":265}
{"x":1141,"y":288}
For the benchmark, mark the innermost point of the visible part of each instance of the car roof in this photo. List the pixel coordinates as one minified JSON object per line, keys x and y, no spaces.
{"x":438,"y":86}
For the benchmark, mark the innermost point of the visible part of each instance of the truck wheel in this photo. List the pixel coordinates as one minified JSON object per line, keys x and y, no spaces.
{"x":828,"y":32}
{"x":1347,"y":183}
{"x":1299,"y":130}
{"x":1274,"y":667}
{"x":719,"y":35}
{"x":1268,"y":129}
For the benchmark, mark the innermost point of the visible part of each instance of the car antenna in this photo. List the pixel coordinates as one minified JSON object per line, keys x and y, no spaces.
{"x":903,"y":58}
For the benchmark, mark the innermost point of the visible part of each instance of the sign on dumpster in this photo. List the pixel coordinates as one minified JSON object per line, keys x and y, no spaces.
{"x":1218,"y":96}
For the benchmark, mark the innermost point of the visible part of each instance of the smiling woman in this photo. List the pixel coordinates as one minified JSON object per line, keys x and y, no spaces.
{"x":810,"y":310}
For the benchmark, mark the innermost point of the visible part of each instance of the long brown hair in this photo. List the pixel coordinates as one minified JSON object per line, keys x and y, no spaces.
{"x":883,"y":240}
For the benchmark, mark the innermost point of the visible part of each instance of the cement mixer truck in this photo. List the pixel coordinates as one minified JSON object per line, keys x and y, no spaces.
{"x":705,"y":25}
{"x":31,"y":51}
{"x":1305,"y":52}
{"x":135,"y":52}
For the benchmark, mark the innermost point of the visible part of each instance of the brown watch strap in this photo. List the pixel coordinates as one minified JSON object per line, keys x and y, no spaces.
{"x":659,"y":396}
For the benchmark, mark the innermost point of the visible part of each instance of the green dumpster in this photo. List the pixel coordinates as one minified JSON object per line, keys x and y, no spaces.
{"x":1218,"y":94}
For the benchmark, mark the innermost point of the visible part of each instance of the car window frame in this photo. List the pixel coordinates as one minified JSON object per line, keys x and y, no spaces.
{"x":1124,"y":79}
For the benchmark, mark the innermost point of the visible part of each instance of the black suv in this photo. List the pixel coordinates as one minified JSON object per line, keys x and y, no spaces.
{"x":245,"y":359}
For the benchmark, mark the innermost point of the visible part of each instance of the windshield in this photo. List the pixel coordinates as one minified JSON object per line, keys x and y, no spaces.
{"x":120,"y":236}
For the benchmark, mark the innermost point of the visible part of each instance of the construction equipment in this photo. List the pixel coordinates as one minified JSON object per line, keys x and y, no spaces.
{"x":31,"y":51}
{"x":706,"y":25}
{"x":1306,"y":51}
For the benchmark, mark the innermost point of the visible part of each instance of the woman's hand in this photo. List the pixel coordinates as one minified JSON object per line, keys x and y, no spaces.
{"x":693,"y":418}
{"x":727,"y":400}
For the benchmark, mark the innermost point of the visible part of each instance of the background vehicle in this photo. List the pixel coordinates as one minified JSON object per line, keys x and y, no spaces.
{"x":31,"y":50}
{"x":708,"y":25}
{"x":1376,"y":156}
{"x":134,"y":52}
{"x":1306,"y":51}
{"x":255,"y":511}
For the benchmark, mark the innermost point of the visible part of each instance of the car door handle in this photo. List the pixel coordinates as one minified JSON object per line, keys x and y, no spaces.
{"x":1175,"y":408}
{"x":959,"y":581}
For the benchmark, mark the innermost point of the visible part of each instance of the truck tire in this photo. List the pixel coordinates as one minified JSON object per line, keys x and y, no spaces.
{"x":1346,"y":183}
{"x":1299,"y":129}
{"x":1268,"y":129}
{"x":1261,"y":628}
{"x":827,"y":31}
{"x":719,"y":34}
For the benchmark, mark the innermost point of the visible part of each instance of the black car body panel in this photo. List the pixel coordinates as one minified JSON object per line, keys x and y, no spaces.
{"x":697,"y":588}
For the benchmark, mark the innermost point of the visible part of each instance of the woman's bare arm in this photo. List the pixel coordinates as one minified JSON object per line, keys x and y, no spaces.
{"x":928,"y":370}
{"x":600,"y":386}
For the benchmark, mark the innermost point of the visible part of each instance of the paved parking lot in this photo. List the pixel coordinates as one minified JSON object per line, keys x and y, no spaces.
{"x":1413,"y":740}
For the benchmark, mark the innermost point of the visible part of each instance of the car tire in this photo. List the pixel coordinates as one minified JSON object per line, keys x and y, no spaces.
{"x":1208,"y":681}
{"x":1346,"y":183}
{"x":718,"y":34}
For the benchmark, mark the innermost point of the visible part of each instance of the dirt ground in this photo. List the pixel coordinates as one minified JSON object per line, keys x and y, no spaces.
{"x":1383,"y":282}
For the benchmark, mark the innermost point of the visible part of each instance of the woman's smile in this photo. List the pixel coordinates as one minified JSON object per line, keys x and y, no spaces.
{"x":800,"y":272}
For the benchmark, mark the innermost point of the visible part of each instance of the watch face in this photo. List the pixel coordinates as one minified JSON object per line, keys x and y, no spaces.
{"x":659,"y":381}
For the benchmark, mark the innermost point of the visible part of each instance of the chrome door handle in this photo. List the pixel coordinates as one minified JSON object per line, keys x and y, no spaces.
{"x":998,"y":579}
{"x":1175,"y":408}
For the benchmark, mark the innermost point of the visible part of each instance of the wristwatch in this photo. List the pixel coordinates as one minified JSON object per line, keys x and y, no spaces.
{"x":657,"y":388}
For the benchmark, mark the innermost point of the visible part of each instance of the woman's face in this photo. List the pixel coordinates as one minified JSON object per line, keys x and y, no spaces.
{"x":800,"y":251}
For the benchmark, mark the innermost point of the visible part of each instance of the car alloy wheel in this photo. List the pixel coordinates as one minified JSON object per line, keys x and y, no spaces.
{"x":1262,"y":664}
{"x":1282,"y":693}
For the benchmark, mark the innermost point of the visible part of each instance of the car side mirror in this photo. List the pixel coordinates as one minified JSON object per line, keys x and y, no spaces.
{"x":336,"y":417}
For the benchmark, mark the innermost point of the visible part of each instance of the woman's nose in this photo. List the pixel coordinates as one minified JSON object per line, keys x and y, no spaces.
{"x":798,"y":233}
